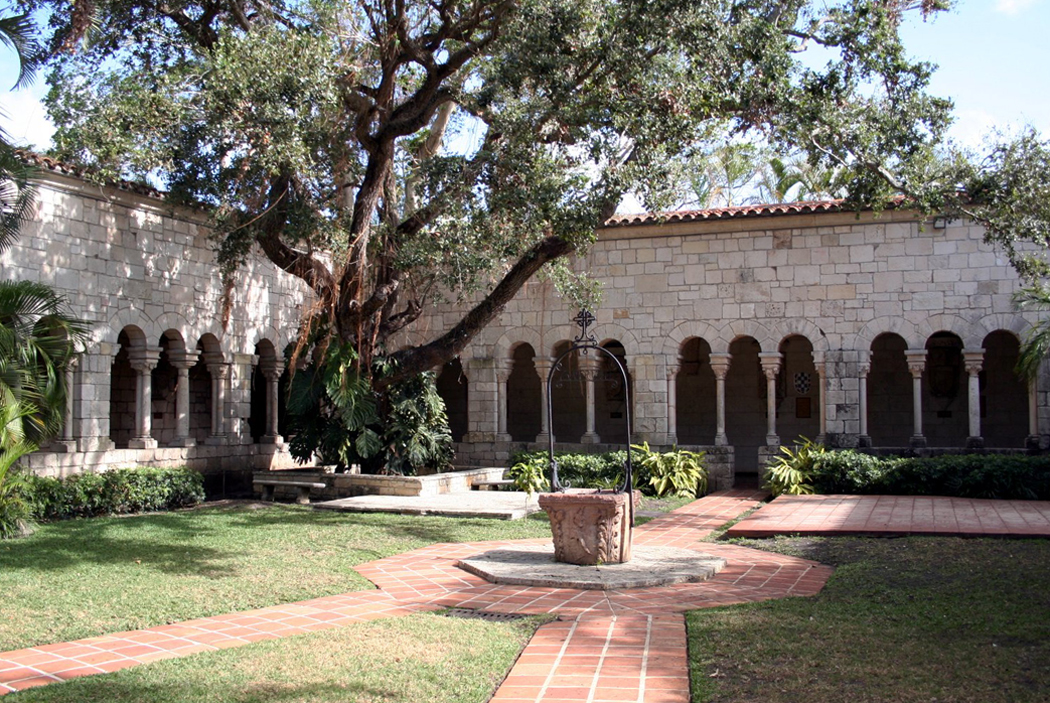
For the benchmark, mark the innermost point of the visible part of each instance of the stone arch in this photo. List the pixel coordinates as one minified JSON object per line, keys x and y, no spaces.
{"x":683,"y":332}
{"x":568,"y":396}
{"x":612,"y":400}
{"x":945,"y":402}
{"x":863,"y":340}
{"x":968,"y":333}
{"x":889,"y":385}
{"x":612,"y":332}
{"x":452,"y":385}
{"x":1013,"y":323}
{"x":127,"y":320}
{"x":562,"y":334}
{"x":173,"y":322}
{"x":746,"y":400}
{"x":797,"y":389}
{"x":164,"y":379}
{"x":264,"y":390}
{"x":695,"y":401}
{"x":524,"y":393}
{"x":202,"y":397}
{"x":505,"y":345}
{"x":131,"y":341}
{"x":739,"y":329}
{"x":1003,"y":394}
{"x":799,"y":327}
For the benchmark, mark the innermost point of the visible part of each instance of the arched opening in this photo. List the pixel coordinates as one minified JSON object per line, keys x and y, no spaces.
{"x":745,"y":403}
{"x":568,"y":397}
{"x":523,"y":395}
{"x":890,"y":419}
{"x":1004,"y":396}
{"x":453,"y":388}
{"x":264,"y":370}
{"x":798,"y":391}
{"x":201,"y":397}
{"x":611,"y":396}
{"x":945,"y":418}
{"x":695,"y":400}
{"x":163,"y":386}
{"x":123,"y":388}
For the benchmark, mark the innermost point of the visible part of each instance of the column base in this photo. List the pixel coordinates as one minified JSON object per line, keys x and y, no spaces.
{"x":95,"y":444}
{"x":975,"y":442}
{"x":274,"y":439}
{"x":503,"y":437}
{"x":1032,"y":442}
{"x":821,"y":439}
{"x":772,"y":440}
{"x":721,"y":440}
{"x":142,"y":443}
{"x":543,"y":438}
{"x":217,"y":441}
{"x":590,"y":438}
{"x":918,"y":441}
{"x":863,"y":440}
{"x":184,"y":442}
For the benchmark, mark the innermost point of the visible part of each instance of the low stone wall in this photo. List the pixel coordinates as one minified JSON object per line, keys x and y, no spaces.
{"x":346,"y":485}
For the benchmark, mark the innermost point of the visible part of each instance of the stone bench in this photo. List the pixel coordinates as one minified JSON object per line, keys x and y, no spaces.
{"x":267,"y":486}
{"x":495,"y":484}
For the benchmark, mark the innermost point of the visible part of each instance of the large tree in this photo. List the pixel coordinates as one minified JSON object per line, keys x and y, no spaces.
{"x":389,"y":152}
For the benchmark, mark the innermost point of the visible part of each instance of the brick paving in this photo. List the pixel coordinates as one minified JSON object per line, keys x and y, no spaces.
{"x":626,"y":645}
{"x":896,"y":515}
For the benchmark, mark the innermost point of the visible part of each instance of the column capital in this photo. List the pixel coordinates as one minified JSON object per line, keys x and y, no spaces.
{"x":271,"y":368}
{"x":770,"y":363}
{"x":720,"y":363}
{"x":183,"y":358}
{"x":143,"y":359}
{"x":973,"y":360}
{"x":916,"y":361}
{"x":543,"y":365}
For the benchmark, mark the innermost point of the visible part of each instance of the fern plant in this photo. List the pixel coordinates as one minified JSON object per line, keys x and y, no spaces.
{"x":530,"y":474}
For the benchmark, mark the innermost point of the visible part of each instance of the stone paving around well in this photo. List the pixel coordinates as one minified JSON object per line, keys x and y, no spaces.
{"x":621,"y":645}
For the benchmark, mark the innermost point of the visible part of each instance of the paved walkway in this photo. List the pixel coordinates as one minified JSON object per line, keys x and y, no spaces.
{"x":626,"y":645}
{"x":896,"y":515}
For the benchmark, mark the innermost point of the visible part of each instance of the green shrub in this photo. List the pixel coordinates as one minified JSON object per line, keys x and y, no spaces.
{"x":580,"y":470}
{"x":792,"y":471}
{"x":15,"y":503}
{"x":679,"y":473}
{"x":531,"y":474}
{"x":120,"y":491}
{"x":847,"y":471}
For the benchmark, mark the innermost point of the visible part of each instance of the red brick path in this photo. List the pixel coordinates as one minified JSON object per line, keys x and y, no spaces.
{"x":626,"y":645}
{"x":924,"y":515}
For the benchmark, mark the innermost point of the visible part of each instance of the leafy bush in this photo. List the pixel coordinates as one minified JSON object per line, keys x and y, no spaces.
{"x":120,"y":491}
{"x":334,"y":414}
{"x":999,"y":476}
{"x":531,"y":474}
{"x":579,"y":470}
{"x":15,"y":504}
{"x":792,"y":471}
{"x":678,"y":473}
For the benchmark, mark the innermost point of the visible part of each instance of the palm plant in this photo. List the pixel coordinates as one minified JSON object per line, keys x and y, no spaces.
{"x":38,"y":339}
{"x":1036,"y":345}
{"x":16,"y":195}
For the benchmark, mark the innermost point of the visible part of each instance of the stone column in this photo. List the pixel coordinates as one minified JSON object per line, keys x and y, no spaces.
{"x":863,"y":369}
{"x":770,"y":368}
{"x":183,"y":361}
{"x":66,"y":442}
{"x":91,"y":417}
{"x":220,"y":371}
{"x":916,"y":365}
{"x":672,"y":406}
{"x":720,"y":365}
{"x":271,"y":369}
{"x":503,"y":369}
{"x":972,"y":362}
{"x":543,"y":369}
{"x":589,"y":371}
{"x":143,"y":360}
{"x":822,"y":386}
{"x":1032,"y":440}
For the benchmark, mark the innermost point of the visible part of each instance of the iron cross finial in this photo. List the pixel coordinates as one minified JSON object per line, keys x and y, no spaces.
{"x":583,"y":320}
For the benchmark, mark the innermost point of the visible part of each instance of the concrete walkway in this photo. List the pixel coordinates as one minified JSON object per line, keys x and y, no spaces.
{"x":896,"y":515}
{"x":626,"y":645}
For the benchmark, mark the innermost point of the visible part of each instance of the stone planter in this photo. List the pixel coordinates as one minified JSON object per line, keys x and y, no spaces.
{"x":589,"y":527}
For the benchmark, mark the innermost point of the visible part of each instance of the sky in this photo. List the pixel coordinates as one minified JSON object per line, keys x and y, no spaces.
{"x":993,"y":57}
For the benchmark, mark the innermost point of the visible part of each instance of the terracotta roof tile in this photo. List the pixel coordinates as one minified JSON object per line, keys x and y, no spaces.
{"x":55,"y":166}
{"x":725,"y":213}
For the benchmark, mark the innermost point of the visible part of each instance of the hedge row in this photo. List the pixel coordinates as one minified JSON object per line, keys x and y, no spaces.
{"x":966,"y":475}
{"x":582,"y":470}
{"x":114,"y":492}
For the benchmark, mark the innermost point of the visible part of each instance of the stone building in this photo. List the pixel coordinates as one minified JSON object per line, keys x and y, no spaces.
{"x":165,"y":379}
{"x":741,"y":329}
{"x":745,"y":328}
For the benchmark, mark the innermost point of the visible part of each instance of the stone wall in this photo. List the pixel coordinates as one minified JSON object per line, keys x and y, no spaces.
{"x":143,"y":274}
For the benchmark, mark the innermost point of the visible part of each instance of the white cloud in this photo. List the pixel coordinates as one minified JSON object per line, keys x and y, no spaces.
{"x":1013,"y":7}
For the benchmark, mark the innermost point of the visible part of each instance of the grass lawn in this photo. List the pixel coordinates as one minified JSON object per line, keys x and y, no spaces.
{"x":911,"y":619}
{"x":80,"y":578}
{"x":416,"y":659}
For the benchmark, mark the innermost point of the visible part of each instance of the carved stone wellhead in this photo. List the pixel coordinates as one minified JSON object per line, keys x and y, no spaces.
{"x":590,"y":525}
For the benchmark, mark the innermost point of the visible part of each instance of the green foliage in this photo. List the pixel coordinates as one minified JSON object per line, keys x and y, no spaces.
{"x":15,"y":503}
{"x":531,"y":473}
{"x":578,"y":470}
{"x":679,"y":473}
{"x":792,"y":471}
{"x":1002,"y":476}
{"x":335,"y":414}
{"x":116,"y":492}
